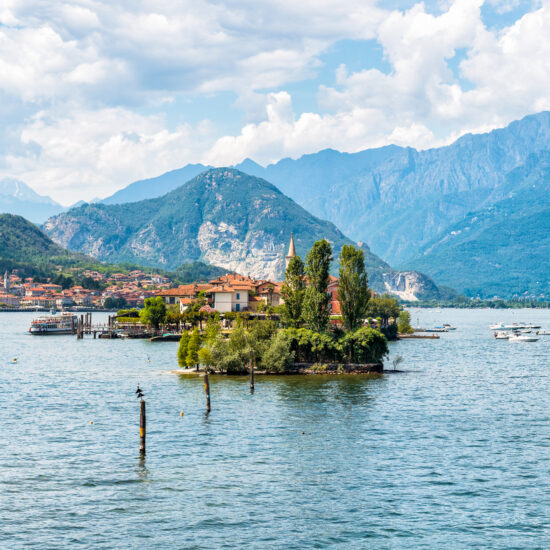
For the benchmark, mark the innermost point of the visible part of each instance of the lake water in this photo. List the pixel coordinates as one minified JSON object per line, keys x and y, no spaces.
{"x":452,"y":453}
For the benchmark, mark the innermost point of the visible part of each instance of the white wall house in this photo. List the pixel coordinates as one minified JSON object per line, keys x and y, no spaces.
{"x":230,"y":300}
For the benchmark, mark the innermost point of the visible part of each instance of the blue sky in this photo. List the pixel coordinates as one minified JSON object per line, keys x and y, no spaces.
{"x":96,"y":94}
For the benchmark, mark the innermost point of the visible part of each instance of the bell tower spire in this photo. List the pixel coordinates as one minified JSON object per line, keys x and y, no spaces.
{"x":291,"y":251}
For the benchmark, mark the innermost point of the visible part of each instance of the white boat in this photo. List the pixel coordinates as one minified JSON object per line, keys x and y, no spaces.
{"x":502,"y":335}
{"x":513,"y":326}
{"x":448,"y":327}
{"x":522,"y":338}
{"x":543,"y":332}
{"x":54,"y":324}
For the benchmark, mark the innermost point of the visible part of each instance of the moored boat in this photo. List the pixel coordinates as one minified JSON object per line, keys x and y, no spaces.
{"x":502,"y":335}
{"x":522,"y":338}
{"x":54,"y":324}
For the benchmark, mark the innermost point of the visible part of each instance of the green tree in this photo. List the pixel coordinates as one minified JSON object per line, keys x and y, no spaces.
{"x":384,"y":307}
{"x":292,"y":292}
{"x":365,"y":345}
{"x":154,"y":312}
{"x":315,"y":310}
{"x":193,"y":347}
{"x":353,"y":289}
{"x":404,"y":323}
{"x":278,"y":357}
{"x":205,"y":357}
{"x":182,"y":349}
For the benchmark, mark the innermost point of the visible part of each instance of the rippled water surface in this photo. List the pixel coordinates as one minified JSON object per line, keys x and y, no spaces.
{"x":452,"y":453}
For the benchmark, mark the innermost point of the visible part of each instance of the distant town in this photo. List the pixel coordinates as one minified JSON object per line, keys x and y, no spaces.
{"x":227,"y":293}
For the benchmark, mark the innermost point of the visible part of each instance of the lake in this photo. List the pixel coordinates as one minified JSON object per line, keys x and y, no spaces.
{"x":454,"y":452}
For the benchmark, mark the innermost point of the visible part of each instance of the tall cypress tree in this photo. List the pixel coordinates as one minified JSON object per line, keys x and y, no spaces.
{"x":182,"y":349}
{"x":292,"y":292}
{"x":193,"y":348}
{"x":316,"y":300}
{"x":353,"y":289}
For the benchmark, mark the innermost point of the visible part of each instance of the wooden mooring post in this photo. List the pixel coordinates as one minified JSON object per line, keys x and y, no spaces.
{"x":207,"y":391}
{"x":142,"y":422}
{"x":142,"y":427}
{"x":251,"y":374}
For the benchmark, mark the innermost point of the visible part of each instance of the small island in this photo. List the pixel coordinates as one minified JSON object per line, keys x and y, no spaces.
{"x":305,"y":335}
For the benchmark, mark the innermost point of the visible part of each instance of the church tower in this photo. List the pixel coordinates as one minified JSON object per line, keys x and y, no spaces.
{"x":291,"y":251}
{"x":6,"y":281}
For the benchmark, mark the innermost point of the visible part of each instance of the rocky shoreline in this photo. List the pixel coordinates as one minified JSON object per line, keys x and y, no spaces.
{"x":302,"y":369}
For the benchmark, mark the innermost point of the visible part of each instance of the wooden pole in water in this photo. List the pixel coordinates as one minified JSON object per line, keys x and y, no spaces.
{"x":142,"y":427}
{"x":72,"y":324}
{"x":207,"y":391}
{"x":251,"y":374}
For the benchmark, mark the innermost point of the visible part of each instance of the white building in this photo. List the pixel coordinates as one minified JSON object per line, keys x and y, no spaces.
{"x":230,"y":298}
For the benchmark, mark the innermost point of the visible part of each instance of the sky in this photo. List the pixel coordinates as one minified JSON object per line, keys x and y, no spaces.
{"x":97,"y":94}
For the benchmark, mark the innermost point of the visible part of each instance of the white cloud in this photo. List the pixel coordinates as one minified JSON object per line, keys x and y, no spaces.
{"x":420,"y":103}
{"x":83,"y":153}
{"x":79,"y":79}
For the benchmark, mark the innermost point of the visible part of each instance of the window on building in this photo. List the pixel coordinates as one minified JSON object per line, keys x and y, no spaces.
{"x":238,"y":296}
{"x":238,"y":307}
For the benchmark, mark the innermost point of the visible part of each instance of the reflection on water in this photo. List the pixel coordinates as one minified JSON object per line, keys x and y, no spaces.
{"x":450,"y":453}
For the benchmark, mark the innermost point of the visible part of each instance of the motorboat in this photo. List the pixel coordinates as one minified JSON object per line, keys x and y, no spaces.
{"x":54,"y":324}
{"x":502,"y":335}
{"x":543,"y":332}
{"x":513,"y":326}
{"x":448,"y":327}
{"x":522,"y":338}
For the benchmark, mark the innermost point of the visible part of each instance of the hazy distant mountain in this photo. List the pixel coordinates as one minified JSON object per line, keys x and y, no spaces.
{"x":394,"y":198}
{"x":223,"y":217}
{"x":503,"y":249}
{"x":18,"y":198}
{"x":398,"y":199}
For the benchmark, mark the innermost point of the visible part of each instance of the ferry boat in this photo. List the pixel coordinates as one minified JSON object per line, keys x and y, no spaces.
{"x":54,"y":324}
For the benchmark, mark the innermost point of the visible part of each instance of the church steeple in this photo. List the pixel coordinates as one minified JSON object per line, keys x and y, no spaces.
{"x":291,"y":251}
{"x":6,"y":281}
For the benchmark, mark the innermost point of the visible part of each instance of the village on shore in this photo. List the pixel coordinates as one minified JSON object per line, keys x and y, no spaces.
{"x":228,"y":293}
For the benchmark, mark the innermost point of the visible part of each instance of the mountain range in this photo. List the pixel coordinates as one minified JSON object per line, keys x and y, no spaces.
{"x":222,"y":217}
{"x":407,"y":204}
{"x":18,"y":198}
{"x":502,"y":249}
{"x":402,"y":201}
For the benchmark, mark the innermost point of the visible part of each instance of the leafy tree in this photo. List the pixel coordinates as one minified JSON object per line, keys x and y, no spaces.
{"x":292,"y":292}
{"x":315,"y":310}
{"x":365,"y":345}
{"x":193,"y":348}
{"x":260,"y":337}
{"x":114,"y":303}
{"x":182,"y":349}
{"x":154,"y":312}
{"x":212,"y":329}
{"x":278,"y":357}
{"x":384,"y":308}
{"x":205,"y":357}
{"x":404,"y":323}
{"x":353,"y":290}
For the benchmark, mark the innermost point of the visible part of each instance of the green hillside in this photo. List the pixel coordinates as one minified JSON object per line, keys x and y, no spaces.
{"x":502,"y":250}
{"x":25,"y":247}
{"x":221,"y":217}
